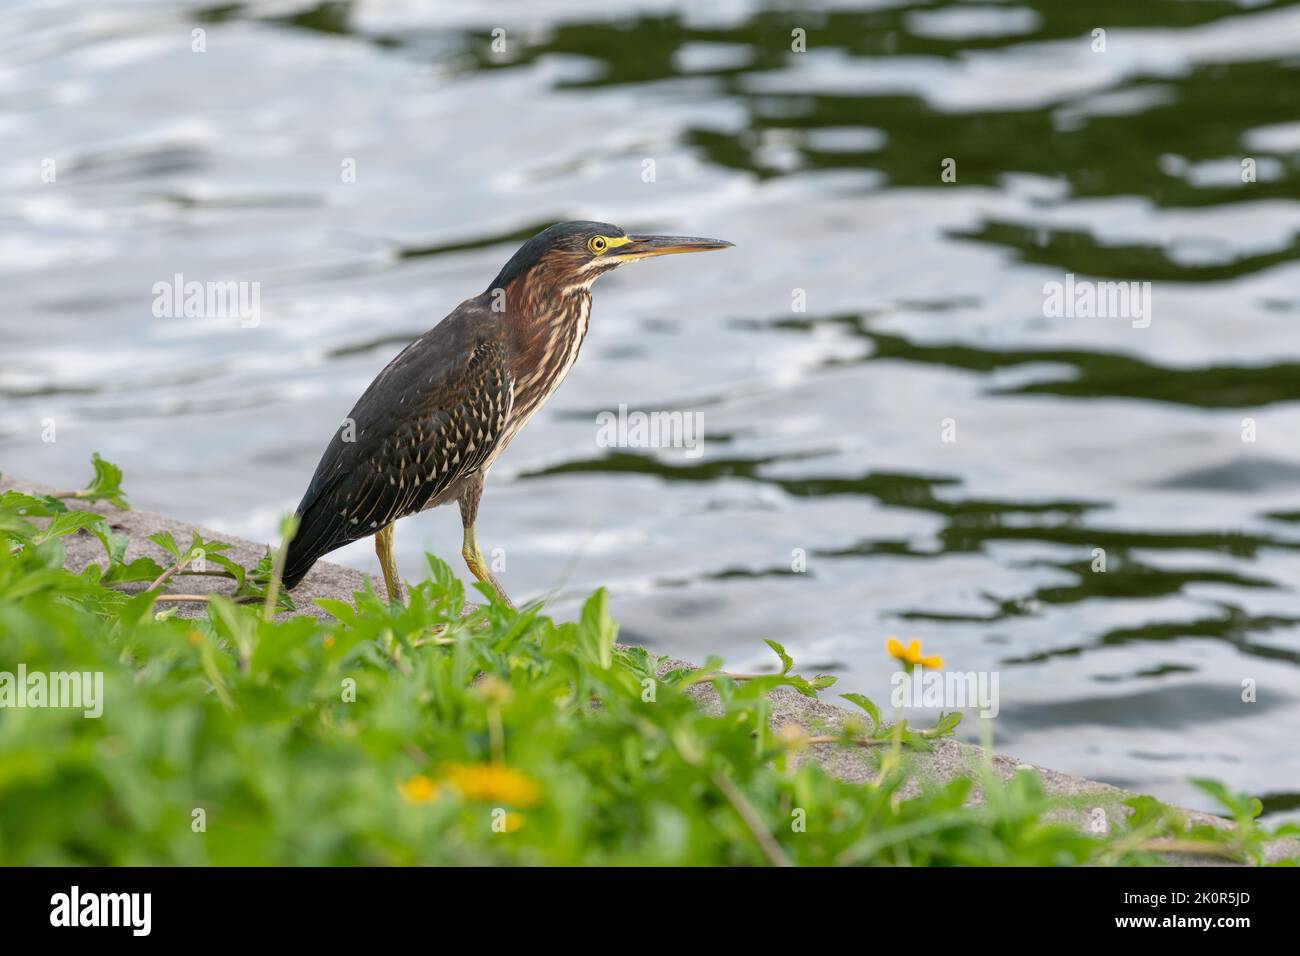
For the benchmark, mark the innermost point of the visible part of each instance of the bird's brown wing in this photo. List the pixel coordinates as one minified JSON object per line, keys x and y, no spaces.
{"x":431,"y":418}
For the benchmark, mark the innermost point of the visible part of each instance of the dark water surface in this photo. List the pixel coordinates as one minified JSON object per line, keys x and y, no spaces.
{"x":823,"y":427}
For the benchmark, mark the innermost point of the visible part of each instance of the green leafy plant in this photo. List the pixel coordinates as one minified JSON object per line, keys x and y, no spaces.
{"x":437,"y":732}
{"x":105,"y":486}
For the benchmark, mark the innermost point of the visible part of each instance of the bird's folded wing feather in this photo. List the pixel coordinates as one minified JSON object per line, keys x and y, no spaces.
{"x":432,"y":417}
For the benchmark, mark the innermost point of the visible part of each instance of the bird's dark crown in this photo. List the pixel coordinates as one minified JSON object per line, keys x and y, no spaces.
{"x":571,"y":236}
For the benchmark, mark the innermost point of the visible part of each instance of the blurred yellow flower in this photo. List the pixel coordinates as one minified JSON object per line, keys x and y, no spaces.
{"x":418,"y":789}
{"x":493,"y":689}
{"x":492,"y":782}
{"x":512,"y":821}
{"x":911,"y":654}
{"x":791,"y":736}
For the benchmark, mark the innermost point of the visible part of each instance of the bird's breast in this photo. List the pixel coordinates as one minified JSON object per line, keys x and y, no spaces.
{"x":545,"y":360}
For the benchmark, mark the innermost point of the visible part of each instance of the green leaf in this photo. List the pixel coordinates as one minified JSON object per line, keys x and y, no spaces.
{"x":165,"y":541}
{"x":800,"y":684}
{"x":1243,"y":807}
{"x":234,"y":568}
{"x":947,"y":724}
{"x":70,"y":522}
{"x":202,"y":549}
{"x":342,"y":610}
{"x":105,"y":486}
{"x":597,"y":631}
{"x":137,"y":608}
{"x":867,"y":704}
{"x":141,"y":569}
{"x":31,"y":506}
{"x":787,"y":661}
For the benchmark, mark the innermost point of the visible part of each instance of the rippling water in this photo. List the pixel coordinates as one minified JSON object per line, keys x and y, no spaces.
{"x":824,"y":427}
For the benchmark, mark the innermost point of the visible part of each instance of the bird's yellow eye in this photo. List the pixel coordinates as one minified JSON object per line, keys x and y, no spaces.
{"x":597,"y":244}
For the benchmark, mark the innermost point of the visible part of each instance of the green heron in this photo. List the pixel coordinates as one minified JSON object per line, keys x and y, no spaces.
{"x":431,"y":424}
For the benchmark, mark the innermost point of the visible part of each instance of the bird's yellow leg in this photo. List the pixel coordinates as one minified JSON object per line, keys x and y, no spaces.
{"x":387,"y":563}
{"x":478,"y":567}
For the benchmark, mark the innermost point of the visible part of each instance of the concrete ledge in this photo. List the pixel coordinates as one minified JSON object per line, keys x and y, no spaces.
{"x":948,"y":760}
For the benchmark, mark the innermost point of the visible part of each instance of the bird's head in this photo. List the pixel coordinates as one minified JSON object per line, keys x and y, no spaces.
{"x":574,"y":254}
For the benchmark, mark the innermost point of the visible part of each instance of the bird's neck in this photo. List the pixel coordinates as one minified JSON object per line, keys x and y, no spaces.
{"x":547,"y":327}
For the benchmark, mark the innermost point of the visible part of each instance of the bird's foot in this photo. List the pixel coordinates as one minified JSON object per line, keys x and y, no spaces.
{"x":388,"y":564}
{"x":478,"y":567}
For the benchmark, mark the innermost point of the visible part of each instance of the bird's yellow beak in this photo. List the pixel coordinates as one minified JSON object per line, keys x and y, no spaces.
{"x":645,"y":247}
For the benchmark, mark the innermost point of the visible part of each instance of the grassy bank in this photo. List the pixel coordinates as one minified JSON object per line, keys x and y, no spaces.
{"x":424,"y":734}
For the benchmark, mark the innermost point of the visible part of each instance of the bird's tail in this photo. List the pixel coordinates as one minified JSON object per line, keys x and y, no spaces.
{"x":313,"y":539}
{"x":293,"y":574}
{"x":297,"y":562}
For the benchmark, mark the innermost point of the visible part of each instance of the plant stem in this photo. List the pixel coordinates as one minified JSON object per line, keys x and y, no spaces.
{"x":775,"y":854}
{"x":199,"y":597}
{"x":856,"y":741}
{"x":277,"y":572}
{"x":178,"y":566}
{"x":713,"y":675}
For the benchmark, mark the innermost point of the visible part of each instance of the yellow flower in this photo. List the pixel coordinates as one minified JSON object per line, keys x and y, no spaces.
{"x":911,"y":654}
{"x":418,"y":789}
{"x":491,"y":782}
